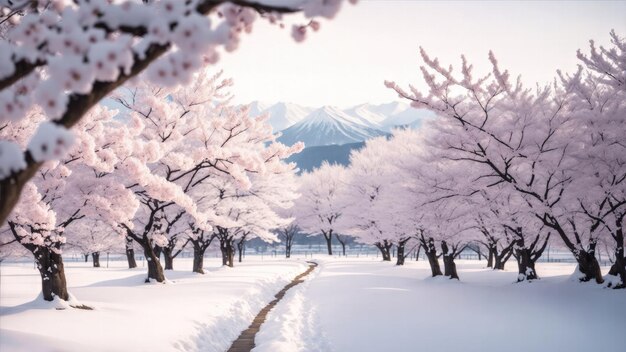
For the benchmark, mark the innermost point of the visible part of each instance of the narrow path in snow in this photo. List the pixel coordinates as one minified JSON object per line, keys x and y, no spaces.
{"x":245,"y":341}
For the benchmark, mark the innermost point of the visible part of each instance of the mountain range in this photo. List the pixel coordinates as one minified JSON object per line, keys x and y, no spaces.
{"x":330,"y":133}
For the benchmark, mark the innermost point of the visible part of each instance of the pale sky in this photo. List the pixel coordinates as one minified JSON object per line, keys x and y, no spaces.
{"x":347,"y":61}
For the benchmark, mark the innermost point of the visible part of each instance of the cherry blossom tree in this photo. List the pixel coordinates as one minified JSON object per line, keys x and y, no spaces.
{"x":287,"y":234}
{"x":598,"y":98}
{"x":82,"y":185}
{"x":190,"y":142}
{"x":373,"y":212}
{"x":319,"y":208}
{"x":200,"y":240}
{"x":175,"y":233}
{"x":529,"y":141}
{"x":290,"y":231}
{"x":254,"y":212}
{"x":93,"y":236}
{"x":66,"y":56}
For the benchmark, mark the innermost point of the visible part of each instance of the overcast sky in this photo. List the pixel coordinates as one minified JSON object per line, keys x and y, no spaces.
{"x":346,"y":62}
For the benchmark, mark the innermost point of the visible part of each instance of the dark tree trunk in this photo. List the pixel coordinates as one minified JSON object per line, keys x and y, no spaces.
{"x":155,"y":270}
{"x":329,"y":238}
{"x":449,"y":267}
{"x":226,"y":247}
{"x":200,"y":244}
{"x":431,"y":254}
{"x":50,"y":265}
{"x":401,"y":248}
{"x":198,"y":259}
{"x":502,"y":257}
{"x":289,"y":232}
{"x":52,"y":272}
{"x":96,"y":259}
{"x":86,"y":257}
{"x":288,"y":242}
{"x":343,"y":245}
{"x":130,"y":257}
{"x":417,"y":254}
{"x":384,"y":248}
{"x":527,"y":255}
{"x":619,"y":267}
{"x":525,"y":265}
{"x":157,"y":251}
{"x":588,"y":266}
{"x":240,"y":246}
{"x":231,"y":255}
{"x":490,"y":257}
{"x":169,"y":259}
{"x":498,"y":263}
{"x":170,"y":252}
{"x":130,"y":253}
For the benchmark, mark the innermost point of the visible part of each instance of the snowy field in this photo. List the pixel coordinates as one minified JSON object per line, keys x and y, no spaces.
{"x":360,"y":305}
{"x":355,"y":304}
{"x":192,"y":312}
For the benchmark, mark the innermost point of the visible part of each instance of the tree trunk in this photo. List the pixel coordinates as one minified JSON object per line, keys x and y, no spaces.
{"x":431,"y":254}
{"x":588,"y":266}
{"x":155,"y":270}
{"x":329,"y":237}
{"x":96,"y":259}
{"x":226,"y":247}
{"x":52,"y":272}
{"x":130,"y":253}
{"x":343,"y":245}
{"x":130,"y":257}
{"x":240,"y":245}
{"x":490,"y":257}
{"x":449,"y":267}
{"x":384,"y":248}
{"x":198,"y":259}
{"x":224,"y":254}
{"x":401,"y":247}
{"x":169,"y":259}
{"x":619,"y":267}
{"x":499,"y":263}
{"x":525,"y":265}
{"x":157,"y":251}
{"x":417,"y":254}
{"x":231,"y":255}
{"x":288,"y":247}
{"x":502,"y":257}
{"x":86,"y":257}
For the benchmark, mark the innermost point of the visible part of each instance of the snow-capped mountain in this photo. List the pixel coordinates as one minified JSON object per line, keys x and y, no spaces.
{"x":368,"y":114}
{"x":257,"y":108}
{"x":282,"y":115}
{"x":398,"y":114}
{"x":332,"y":126}
{"x":382,"y":117}
{"x":329,"y":125}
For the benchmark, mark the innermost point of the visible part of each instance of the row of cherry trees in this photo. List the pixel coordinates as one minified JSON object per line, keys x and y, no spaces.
{"x":152,"y":175}
{"x":504,"y":168}
{"x":182,"y":166}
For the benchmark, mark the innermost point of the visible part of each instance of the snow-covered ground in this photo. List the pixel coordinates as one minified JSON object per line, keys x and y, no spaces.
{"x":192,"y":312}
{"x":355,"y":304}
{"x":365,"y":305}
